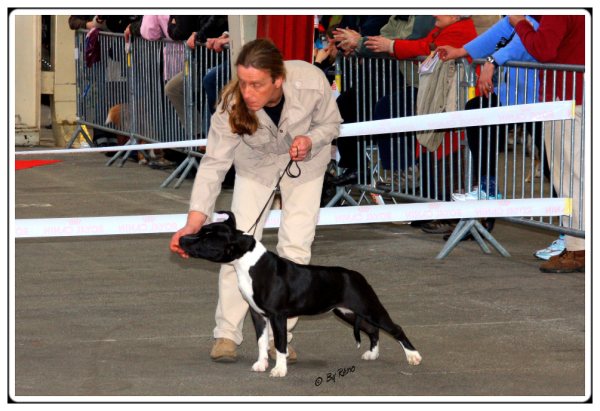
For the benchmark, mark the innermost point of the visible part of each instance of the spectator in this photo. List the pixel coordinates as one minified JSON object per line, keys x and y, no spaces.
{"x":438,"y":94}
{"x":191,"y":29}
{"x":449,"y":30}
{"x":213,"y":80}
{"x":499,"y":45}
{"x":253,"y":129}
{"x":95,"y":24}
{"x":83,"y":22}
{"x":154,"y":28}
{"x":366,"y":25}
{"x":561,"y":39}
{"x":325,"y":59}
{"x":350,"y":33}
{"x":399,"y":27}
{"x":115,"y":24}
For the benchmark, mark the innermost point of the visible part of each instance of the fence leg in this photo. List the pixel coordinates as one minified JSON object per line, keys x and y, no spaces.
{"x":122,"y":153}
{"x":124,"y":159}
{"x":114,"y":158}
{"x":191,"y":163}
{"x":477,"y":230}
{"x":341,"y":194}
{"x":183,"y":168}
{"x":486,"y":234}
{"x":479,"y":240}
{"x":175,"y":173}
{"x":85,"y":135}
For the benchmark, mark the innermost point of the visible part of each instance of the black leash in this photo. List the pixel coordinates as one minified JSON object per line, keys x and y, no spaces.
{"x":287,"y":172}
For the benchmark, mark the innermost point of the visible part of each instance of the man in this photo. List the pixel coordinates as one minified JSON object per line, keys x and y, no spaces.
{"x":273,"y":112}
{"x":561,"y":39}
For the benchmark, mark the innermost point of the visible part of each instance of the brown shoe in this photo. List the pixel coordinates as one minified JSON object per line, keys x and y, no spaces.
{"x":565,"y":262}
{"x":224,"y":350}
{"x":292,"y":356}
{"x":439,"y":227}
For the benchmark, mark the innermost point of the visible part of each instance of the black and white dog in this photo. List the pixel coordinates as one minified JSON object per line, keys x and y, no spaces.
{"x":277,"y":288}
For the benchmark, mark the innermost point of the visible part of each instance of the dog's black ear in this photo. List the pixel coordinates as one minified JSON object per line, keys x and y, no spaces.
{"x":241,"y":245}
{"x":230,"y":218}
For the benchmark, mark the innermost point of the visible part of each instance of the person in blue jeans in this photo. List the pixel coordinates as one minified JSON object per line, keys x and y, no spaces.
{"x":212,"y":83}
{"x":499,"y":44}
{"x":214,"y":80}
{"x":497,"y":86}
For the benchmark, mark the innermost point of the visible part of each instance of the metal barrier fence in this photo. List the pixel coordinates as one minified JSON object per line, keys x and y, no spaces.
{"x":376,"y":89}
{"x":132,"y":80}
{"x":517,"y":164}
{"x":390,"y":167}
{"x":101,"y":85}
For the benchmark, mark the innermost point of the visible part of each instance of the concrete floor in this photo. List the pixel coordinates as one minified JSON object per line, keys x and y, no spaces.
{"x":117,"y":316}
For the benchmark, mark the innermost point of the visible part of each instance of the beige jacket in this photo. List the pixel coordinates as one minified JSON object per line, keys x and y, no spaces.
{"x":437,"y":94}
{"x":309,"y":109}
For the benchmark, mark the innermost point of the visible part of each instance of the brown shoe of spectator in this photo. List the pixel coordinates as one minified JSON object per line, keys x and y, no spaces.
{"x":565,"y":262}
{"x":224,"y":350}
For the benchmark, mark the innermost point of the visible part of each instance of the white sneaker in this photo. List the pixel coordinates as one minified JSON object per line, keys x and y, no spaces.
{"x":476,"y":194}
{"x":552,"y":250}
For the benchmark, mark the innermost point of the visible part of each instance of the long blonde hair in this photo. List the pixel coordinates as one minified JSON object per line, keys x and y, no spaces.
{"x":260,"y":54}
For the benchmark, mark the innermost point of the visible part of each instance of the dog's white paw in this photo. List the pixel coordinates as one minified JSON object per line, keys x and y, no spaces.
{"x":279,"y":371}
{"x":260,"y":365}
{"x":413,"y":357}
{"x":372,"y":354}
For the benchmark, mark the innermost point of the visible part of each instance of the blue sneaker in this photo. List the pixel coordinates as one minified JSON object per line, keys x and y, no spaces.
{"x":476,"y":194}
{"x":552,"y":250}
{"x":481,"y":192}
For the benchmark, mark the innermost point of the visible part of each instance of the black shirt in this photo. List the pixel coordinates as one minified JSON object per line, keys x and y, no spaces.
{"x":275,"y":111}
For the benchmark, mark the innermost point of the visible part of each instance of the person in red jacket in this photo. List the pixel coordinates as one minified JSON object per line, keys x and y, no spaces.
{"x":561,"y":39}
{"x":453,"y":31}
{"x":449,"y":30}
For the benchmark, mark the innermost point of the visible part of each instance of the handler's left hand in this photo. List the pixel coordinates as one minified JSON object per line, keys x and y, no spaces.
{"x":300,"y":148}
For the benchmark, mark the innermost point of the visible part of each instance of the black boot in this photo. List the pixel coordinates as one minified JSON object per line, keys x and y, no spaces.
{"x":346,"y":178}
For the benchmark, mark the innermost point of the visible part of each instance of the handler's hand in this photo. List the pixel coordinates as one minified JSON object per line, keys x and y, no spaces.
{"x":195,"y":221}
{"x":300,"y":148}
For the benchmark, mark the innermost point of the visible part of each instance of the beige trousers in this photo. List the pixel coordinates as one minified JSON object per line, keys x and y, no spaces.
{"x":565,"y":155}
{"x":174,"y":91}
{"x":299,"y":216}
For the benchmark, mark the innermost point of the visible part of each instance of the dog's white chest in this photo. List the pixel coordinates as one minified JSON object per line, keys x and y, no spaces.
{"x":242,"y":269}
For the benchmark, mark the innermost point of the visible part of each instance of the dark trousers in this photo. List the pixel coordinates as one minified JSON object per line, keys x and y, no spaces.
{"x":396,"y":148}
{"x":371,"y":78}
{"x":436,"y":175}
{"x":348,"y":146}
{"x":483,"y":140}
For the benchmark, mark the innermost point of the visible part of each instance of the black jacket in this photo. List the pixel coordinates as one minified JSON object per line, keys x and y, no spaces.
{"x":118,"y":24}
{"x":182,"y":27}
